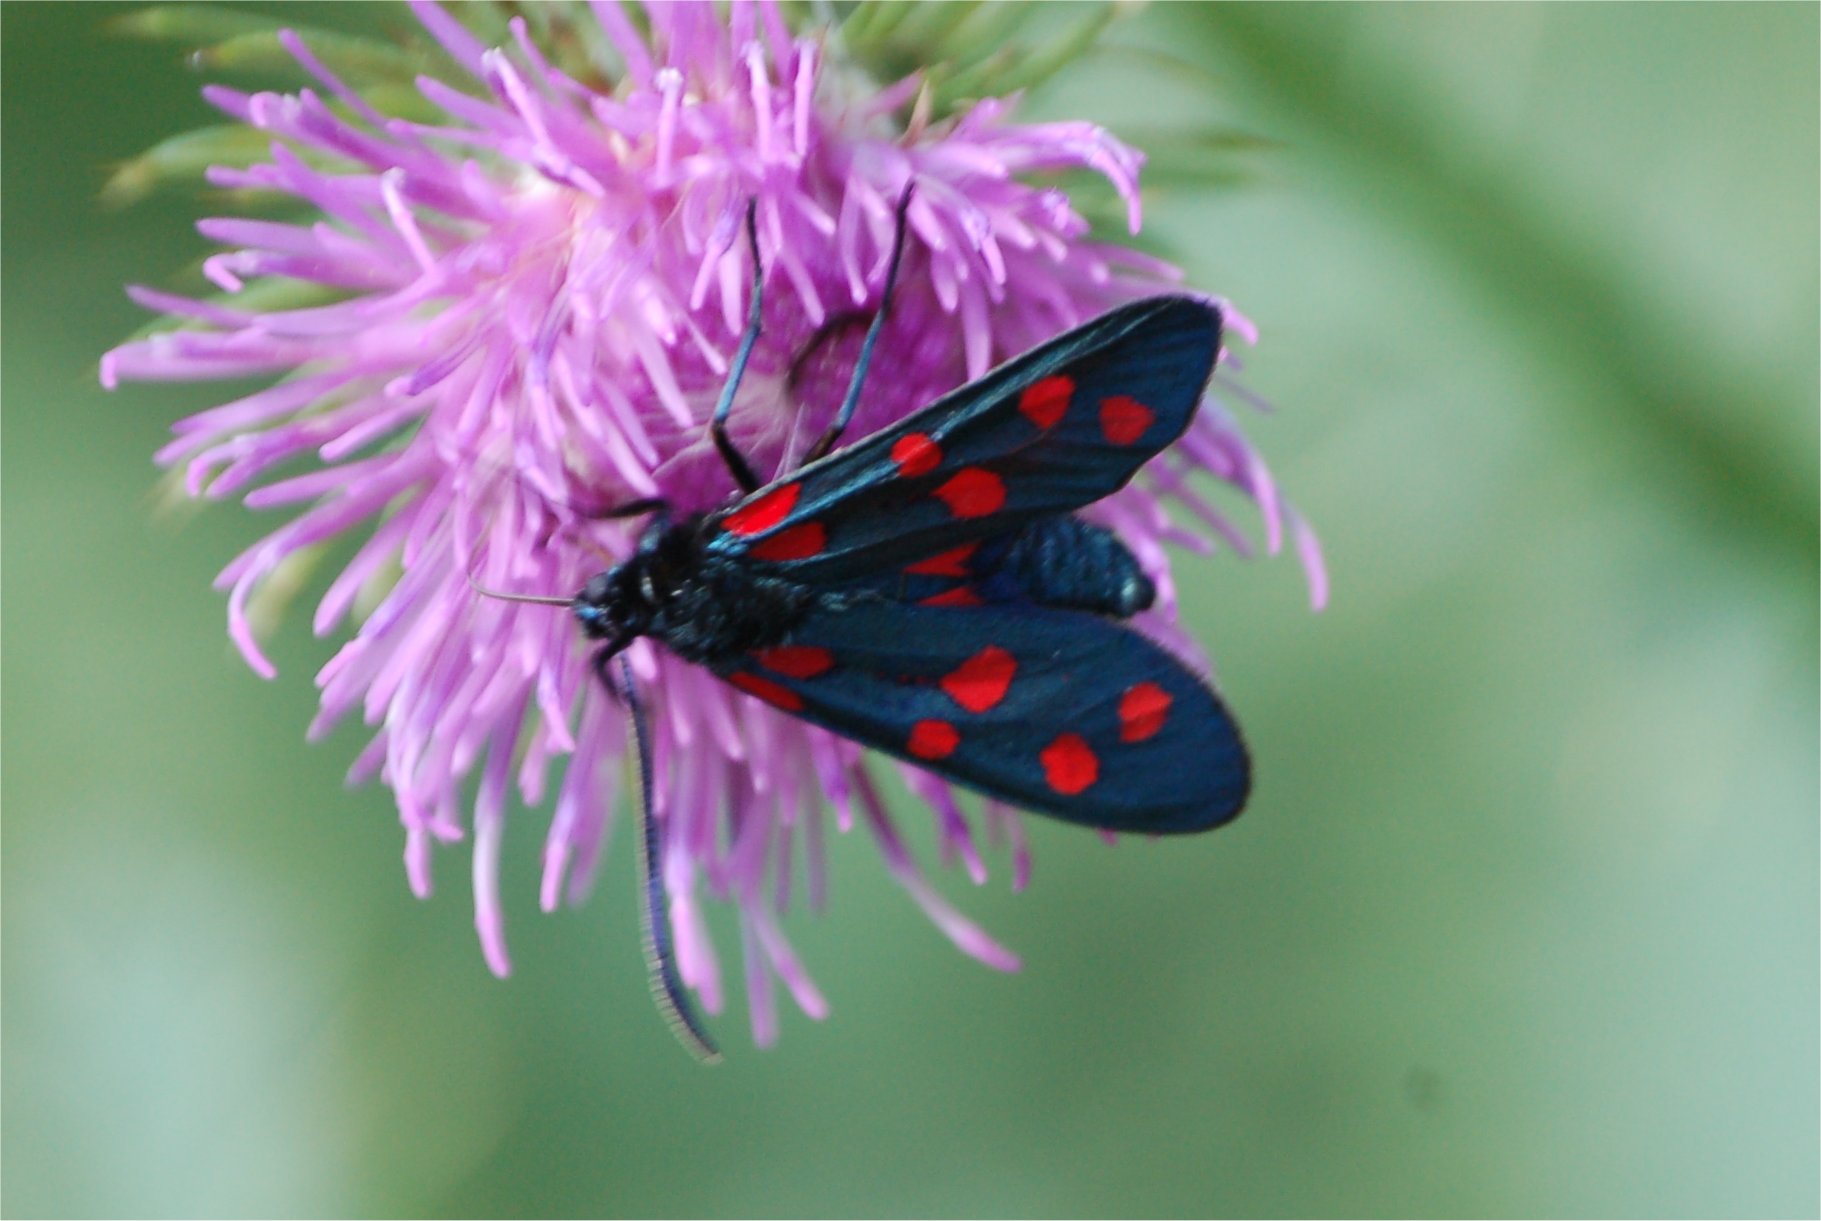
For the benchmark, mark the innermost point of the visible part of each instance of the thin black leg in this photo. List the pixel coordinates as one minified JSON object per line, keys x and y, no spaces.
{"x":825,"y":334}
{"x":737,"y":465}
{"x":848,"y":404}
{"x":632,"y":508}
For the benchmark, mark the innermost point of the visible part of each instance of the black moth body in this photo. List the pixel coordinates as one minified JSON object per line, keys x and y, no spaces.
{"x":710,"y":608}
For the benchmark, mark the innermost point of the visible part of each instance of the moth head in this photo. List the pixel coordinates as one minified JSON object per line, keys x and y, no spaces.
{"x":615,"y":603}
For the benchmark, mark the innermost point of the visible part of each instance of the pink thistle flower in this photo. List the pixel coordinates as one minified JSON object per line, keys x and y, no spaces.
{"x":534,"y":300}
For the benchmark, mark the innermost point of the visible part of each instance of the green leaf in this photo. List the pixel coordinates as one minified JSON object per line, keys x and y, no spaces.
{"x":359,"y":60}
{"x":191,"y":25}
{"x":184,"y":158}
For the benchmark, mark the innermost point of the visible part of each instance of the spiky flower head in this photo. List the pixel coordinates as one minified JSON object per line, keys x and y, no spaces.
{"x":512,"y":302}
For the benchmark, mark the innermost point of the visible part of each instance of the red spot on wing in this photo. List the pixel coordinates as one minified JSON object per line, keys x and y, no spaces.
{"x":796,"y":660}
{"x":972,"y":492}
{"x":945,"y":563}
{"x":1142,"y":711}
{"x":775,"y":694}
{"x":760,"y":514}
{"x":916,"y":455}
{"x":796,"y":543}
{"x":1044,"y":402}
{"x":980,"y":682}
{"x":1123,"y":420}
{"x":1069,"y":764}
{"x":933,"y":740}
{"x":961,"y":595}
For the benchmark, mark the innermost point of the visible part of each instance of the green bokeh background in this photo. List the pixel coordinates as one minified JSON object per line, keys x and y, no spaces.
{"x":1523,"y":918}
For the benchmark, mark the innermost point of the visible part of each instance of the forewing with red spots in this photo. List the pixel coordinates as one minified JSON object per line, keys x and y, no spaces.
{"x":1064,"y":713}
{"x":1062,"y":426}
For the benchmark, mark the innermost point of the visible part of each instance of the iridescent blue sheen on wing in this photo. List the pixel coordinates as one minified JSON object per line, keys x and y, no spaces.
{"x":1063,"y":562}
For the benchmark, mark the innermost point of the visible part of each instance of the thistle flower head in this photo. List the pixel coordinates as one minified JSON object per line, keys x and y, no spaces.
{"x":527,"y":299}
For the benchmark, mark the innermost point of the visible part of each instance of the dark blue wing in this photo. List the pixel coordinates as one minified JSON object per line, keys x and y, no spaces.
{"x":1059,"y":427}
{"x":1068,"y":714}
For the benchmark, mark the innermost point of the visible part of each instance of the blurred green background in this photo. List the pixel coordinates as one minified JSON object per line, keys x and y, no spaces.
{"x":1523,"y":919}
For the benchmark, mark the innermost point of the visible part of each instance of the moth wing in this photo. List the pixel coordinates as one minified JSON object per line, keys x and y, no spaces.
{"x":1064,"y":713}
{"x":1062,"y":426}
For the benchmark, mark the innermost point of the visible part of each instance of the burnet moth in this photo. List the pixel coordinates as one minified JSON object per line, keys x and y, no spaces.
{"x":928,"y":592}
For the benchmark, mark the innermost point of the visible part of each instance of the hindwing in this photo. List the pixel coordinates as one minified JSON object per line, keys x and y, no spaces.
{"x":1068,"y":714}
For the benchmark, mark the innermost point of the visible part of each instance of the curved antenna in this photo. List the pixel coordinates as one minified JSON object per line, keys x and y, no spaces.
{"x":660,"y":951}
{"x":629,"y":509}
{"x":503,"y":596}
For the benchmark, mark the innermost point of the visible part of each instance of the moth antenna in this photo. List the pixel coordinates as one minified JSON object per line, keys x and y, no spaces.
{"x":660,"y":951}
{"x":503,"y":596}
{"x":631,"y":508}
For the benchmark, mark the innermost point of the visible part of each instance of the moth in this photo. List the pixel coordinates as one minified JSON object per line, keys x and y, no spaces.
{"x":928,"y":591}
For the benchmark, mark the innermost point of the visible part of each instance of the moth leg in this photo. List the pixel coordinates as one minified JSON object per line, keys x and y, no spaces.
{"x":827,"y":440}
{"x":660,"y":951}
{"x":737,"y":465}
{"x":657,"y":506}
{"x":632,"y":508}
{"x":825,"y":334}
